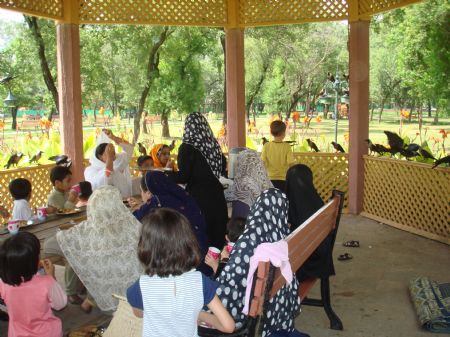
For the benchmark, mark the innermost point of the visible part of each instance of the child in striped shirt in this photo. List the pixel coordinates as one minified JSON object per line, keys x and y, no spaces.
{"x":171,"y":294}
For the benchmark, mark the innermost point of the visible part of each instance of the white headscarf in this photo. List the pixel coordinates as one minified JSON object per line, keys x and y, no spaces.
{"x":198,"y":133}
{"x":120,"y":177}
{"x":102,"y":249}
{"x":250,"y":178}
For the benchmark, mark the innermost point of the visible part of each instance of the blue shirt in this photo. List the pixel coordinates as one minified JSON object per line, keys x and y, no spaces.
{"x":171,"y":304}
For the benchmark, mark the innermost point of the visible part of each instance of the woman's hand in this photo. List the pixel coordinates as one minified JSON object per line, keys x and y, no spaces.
{"x":213,"y":263}
{"x":146,"y":196}
{"x":170,"y":164}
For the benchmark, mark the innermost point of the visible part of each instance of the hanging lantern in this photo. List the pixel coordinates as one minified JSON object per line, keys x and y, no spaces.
{"x":10,"y":100}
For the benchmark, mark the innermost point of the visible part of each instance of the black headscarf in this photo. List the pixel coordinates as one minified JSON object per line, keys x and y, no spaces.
{"x":304,"y":201}
{"x":198,"y":133}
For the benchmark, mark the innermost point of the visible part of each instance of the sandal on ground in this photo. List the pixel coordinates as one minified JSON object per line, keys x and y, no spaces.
{"x":352,"y":243}
{"x":74,"y":299}
{"x":345,"y":257}
{"x":86,"y":306}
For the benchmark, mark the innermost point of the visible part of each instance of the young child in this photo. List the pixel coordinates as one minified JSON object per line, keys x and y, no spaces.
{"x":20,"y":190}
{"x":235,"y":227}
{"x":85,"y":191}
{"x":171,"y":294}
{"x":29,"y":297}
{"x":62,"y":197}
{"x":145,"y":163}
{"x":277,"y":155}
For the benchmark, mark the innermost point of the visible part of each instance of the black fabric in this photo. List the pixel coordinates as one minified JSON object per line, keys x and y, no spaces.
{"x":280,"y":184}
{"x":304,"y":201}
{"x":205,"y":188}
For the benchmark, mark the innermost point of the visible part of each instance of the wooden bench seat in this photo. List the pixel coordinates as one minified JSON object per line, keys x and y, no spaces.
{"x":268,"y":279}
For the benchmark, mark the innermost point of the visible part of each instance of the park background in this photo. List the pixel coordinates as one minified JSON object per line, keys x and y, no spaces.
{"x":141,"y":81}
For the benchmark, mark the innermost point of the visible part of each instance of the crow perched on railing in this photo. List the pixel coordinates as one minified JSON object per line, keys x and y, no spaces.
{"x":61,"y":160}
{"x":312,"y":145}
{"x":14,"y":159}
{"x":427,"y":155}
{"x":338,"y":147}
{"x":444,"y":160}
{"x":172,"y":145}
{"x":36,"y":157}
{"x":264,"y":140}
{"x":377,"y":148}
{"x":395,"y":142}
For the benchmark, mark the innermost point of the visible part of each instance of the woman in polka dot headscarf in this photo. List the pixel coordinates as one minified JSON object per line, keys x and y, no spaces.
{"x":200,"y":164}
{"x":267,"y":222}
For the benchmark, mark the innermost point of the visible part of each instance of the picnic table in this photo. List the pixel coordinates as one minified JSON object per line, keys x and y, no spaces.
{"x":49,"y":227}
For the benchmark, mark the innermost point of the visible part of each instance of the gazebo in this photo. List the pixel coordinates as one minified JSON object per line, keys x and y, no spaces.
{"x":234,"y":16}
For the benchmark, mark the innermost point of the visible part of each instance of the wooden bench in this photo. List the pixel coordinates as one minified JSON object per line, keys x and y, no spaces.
{"x":268,"y":279}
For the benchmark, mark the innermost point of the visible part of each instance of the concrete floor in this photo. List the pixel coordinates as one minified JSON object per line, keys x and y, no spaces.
{"x":369,"y":293}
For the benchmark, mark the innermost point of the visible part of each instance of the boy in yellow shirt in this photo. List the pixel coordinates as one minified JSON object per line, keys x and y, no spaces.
{"x":277,"y":155}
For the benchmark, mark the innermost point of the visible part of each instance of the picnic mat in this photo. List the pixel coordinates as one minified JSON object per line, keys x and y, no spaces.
{"x":432,"y":303}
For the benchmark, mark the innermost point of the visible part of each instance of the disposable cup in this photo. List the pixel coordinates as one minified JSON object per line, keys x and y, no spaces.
{"x":230,"y":246}
{"x":13,"y":226}
{"x":42,"y":213}
{"x":214,"y":252}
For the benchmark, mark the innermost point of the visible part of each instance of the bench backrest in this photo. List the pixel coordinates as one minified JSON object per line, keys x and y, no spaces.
{"x":301,"y":244}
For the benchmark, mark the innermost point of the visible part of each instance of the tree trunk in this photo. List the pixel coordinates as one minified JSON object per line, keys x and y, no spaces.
{"x":152,"y":73}
{"x":436,"y":116}
{"x":14,"y":118}
{"x":46,"y":73}
{"x":429,"y":108}
{"x":224,"y":116}
{"x":371,"y":111}
{"x":381,"y":109}
{"x":411,"y":111}
{"x":51,"y":112}
{"x":165,"y":124}
{"x":252,"y":95}
{"x":144,"y":123}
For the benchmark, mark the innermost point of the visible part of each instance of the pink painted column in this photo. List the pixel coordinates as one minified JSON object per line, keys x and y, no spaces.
{"x":69,"y":88}
{"x":234,"y":48}
{"x":359,"y":111}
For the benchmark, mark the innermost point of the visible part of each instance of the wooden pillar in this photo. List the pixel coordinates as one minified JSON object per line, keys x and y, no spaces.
{"x":234,"y":58}
{"x":359,"y":111}
{"x":69,"y":89}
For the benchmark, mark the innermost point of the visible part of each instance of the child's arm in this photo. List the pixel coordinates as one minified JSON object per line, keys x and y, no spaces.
{"x":220,"y":319}
{"x":57,"y":296}
{"x":290,"y":157}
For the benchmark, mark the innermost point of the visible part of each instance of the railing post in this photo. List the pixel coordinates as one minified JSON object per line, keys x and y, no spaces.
{"x":359,"y":111}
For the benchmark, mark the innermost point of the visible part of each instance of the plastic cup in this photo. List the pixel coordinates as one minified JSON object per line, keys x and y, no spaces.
{"x":76,"y":189}
{"x":13,"y":226}
{"x":42,"y":213}
{"x":230,"y":246}
{"x":214,"y":252}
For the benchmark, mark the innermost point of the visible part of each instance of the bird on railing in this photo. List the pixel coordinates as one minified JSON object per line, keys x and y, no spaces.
{"x":395,"y":142}
{"x":413,"y":147}
{"x":377,"y":148}
{"x":14,"y":159}
{"x":61,"y":160}
{"x":172,"y":145}
{"x":264,"y":140}
{"x":338,"y":147}
{"x":142,"y":150}
{"x":444,"y":160}
{"x":425,"y":154}
{"x":312,"y":145}
{"x":36,"y":157}
{"x":408,"y":153}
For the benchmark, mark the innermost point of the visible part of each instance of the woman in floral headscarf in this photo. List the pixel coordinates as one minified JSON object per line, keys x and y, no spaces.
{"x":200,"y":164}
{"x":250,"y":180}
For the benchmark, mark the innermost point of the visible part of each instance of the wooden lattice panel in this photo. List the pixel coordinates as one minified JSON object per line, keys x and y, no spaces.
{"x":408,"y":195}
{"x":370,"y":7}
{"x":268,"y":12}
{"x":330,"y":172}
{"x":157,"y":12}
{"x":52,"y":9}
{"x":39,"y":176}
